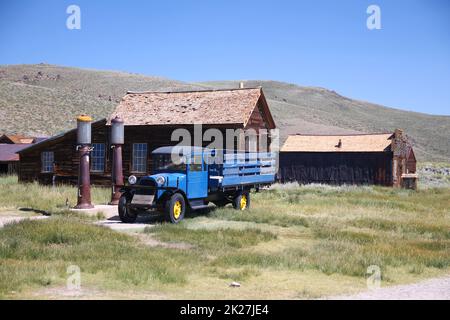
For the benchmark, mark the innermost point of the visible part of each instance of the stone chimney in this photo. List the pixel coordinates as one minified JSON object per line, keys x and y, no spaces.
{"x":398,"y":132}
{"x":241,"y":85}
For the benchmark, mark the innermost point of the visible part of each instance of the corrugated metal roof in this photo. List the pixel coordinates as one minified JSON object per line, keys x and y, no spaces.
{"x":330,"y":143}
{"x":232,"y":106}
{"x":8,"y":151}
{"x":45,"y":141}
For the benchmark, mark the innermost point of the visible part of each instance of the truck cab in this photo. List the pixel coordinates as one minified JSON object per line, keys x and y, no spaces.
{"x":184,"y":179}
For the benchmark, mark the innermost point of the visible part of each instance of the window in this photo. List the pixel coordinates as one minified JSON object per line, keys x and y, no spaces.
{"x":251,"y":141}
{"x":196,"y":163}
{"x":47,"y":160}
{"x":98,"y":157}
{"x":163,"y":162}
{"x":139,"y":157}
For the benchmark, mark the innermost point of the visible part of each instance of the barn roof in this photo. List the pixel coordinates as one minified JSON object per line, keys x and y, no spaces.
{"x":15,"y":138}
{"x":8,"y":151}
{"x":330,"y":143}
{"x":226,"y":106}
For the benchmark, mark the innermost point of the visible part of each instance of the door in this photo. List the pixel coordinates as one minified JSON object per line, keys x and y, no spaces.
{"x":197,"y":178}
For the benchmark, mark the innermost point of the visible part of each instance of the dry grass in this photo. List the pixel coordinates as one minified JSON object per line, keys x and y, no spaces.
{"x":44,"y":199}
{"x":37,"y":253}
{"x":295,"y":242}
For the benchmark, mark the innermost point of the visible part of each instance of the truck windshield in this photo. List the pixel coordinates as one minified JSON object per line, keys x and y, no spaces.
{"x":163,"y":162}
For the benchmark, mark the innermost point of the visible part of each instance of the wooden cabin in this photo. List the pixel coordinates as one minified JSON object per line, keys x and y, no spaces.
{"x":150,"y":119}
{"x":379,"y":159}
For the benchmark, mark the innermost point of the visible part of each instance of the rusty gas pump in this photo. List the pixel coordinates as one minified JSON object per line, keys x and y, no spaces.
{"x":117,"y":140}
{"x":84,"y":148}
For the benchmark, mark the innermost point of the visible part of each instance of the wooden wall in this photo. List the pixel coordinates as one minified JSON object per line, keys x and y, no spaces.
{"x":65,"y":159}
{"x":9,"y":167}
{"x":336,"y":168}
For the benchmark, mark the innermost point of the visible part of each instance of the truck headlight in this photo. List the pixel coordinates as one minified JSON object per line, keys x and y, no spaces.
{"x":160,"y":180}
{"x":132,"y":179}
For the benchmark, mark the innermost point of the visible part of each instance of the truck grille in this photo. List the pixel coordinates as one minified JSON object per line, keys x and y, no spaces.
{"x":146,"y":182}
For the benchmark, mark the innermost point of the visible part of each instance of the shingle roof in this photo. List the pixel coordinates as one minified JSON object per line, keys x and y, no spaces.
{"x":232,"y":106}
{"x":8,"y":151}
{"x":329,"y":143}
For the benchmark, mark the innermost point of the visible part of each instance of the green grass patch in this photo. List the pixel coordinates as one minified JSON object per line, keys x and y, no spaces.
{"x":431,"y":229}
{"x":287,"y":259}
{"x":215,"y":241}
{"x":267,"y":215}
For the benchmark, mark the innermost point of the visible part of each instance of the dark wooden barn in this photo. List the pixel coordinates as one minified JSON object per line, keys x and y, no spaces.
{"x":380,"y":159}
{"x":150,"y":119}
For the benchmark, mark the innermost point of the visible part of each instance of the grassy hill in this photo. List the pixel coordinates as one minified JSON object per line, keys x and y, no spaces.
{"x":45,"y":99}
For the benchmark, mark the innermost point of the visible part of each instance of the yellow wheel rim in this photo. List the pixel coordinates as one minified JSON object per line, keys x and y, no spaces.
{"x":243,"y":203}
{"x":177,"y":210}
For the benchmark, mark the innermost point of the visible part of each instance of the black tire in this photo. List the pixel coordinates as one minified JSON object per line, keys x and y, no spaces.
{"x":173,"y":212}
{"x":126,"y":214}
{"x":238,"y":200}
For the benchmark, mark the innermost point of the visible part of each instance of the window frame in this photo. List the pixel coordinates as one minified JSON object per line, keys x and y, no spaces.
{"x":140,"y":157}
{"x":97,"y":157}
{"x":44,"y":162}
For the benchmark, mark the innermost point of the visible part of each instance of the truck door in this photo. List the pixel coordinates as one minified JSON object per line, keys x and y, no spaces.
{"x":197,"y":178}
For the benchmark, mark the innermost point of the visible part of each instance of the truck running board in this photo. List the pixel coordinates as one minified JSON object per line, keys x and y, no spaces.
{"x":197,"y":204}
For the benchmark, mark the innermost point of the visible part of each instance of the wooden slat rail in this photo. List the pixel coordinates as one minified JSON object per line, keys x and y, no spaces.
{"x":239,"y":165}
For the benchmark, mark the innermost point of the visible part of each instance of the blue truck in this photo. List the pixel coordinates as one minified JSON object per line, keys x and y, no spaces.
{"x":189,"y":178}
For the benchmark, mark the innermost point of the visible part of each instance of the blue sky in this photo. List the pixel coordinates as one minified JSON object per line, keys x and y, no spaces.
{"x":322,"y":43}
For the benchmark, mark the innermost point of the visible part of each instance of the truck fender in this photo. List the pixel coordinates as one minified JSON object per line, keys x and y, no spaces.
{"x":128,"y":193}
{"x":166,"y":195}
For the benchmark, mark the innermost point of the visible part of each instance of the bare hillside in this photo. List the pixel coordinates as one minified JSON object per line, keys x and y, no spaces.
{"x":45,"y":99}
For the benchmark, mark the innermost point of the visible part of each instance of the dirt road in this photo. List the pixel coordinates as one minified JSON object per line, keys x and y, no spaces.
{"x":432,"y":289}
